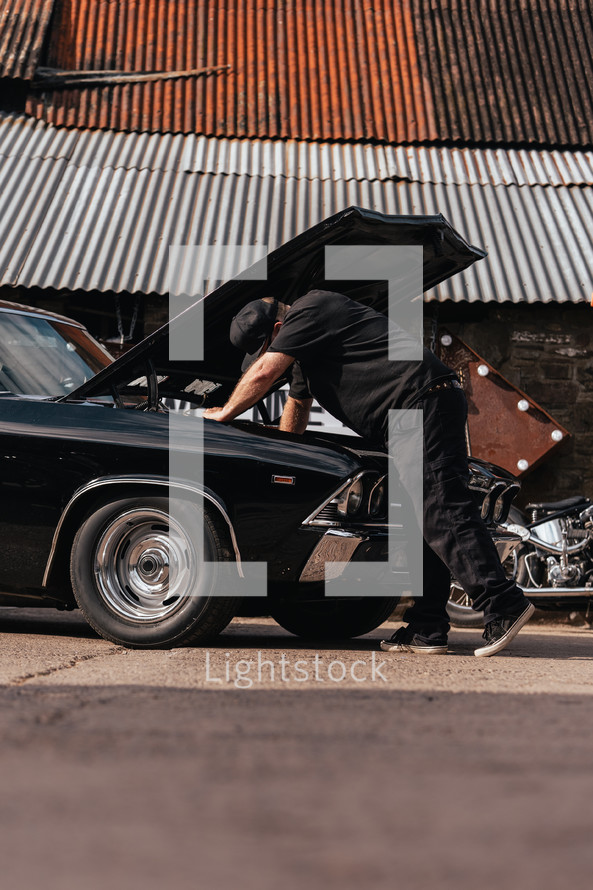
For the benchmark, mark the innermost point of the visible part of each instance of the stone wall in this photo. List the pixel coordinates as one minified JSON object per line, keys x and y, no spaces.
{"x":547,"y":351}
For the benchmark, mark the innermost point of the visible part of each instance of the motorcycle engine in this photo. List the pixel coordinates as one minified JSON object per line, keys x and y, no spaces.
{"x":559,"y":576}
{"x":566,"y":569}
{"x":550,"y":532}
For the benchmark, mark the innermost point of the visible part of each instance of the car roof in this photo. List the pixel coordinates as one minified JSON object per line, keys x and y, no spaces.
{"x":22,"y":309}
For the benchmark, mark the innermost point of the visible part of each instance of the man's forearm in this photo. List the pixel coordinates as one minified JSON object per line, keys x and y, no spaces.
{"x":295,"y":416}
{"x":246,"y":393}
{"x":252,"y":387}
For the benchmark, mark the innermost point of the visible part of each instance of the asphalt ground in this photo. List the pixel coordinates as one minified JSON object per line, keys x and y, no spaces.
{"x":266,"y":762}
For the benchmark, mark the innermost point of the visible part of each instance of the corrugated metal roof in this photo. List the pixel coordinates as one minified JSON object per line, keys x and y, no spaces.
{"x":508,"y":71}
{"x":23,"y":27}
{"x":307,"y":69}
{"x":86,"y":226}
{"x":539,"y":241}
{"x":20,"y":136}
{"x":394,"y":71}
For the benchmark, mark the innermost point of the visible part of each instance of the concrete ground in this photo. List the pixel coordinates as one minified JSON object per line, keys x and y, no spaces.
{"x":263,"y":762}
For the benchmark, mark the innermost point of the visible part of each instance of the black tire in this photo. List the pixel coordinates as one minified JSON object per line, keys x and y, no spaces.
{"x":120,"y":567}
{"x":333,"y":619}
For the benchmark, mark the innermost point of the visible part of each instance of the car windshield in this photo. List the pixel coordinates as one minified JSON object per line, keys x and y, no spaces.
{"x":40,"y":356}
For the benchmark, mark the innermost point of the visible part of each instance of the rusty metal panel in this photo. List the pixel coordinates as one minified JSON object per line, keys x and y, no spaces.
{"x":504,"y":426}
{"x":308,"y":69}
{"x":23,"y":28}
{"x":390,"y":71}
{"x":508,"y":71}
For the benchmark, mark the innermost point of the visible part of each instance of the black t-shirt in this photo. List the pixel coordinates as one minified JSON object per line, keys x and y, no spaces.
{"x":342,"y":350}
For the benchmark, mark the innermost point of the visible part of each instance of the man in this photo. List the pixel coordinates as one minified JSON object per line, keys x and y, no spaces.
{"x":336,"y":350}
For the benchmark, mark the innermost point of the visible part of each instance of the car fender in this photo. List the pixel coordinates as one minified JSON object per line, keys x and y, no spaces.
{"x":126,"y":484}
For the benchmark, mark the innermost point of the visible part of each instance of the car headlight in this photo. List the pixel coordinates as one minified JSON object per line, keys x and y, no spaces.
{"x":351,"y":498}
{"x":377,"y":498}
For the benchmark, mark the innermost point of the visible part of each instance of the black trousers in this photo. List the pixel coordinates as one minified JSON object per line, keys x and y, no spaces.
{"x":456,"y":540}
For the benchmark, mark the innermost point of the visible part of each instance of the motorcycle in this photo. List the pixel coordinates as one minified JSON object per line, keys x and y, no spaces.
{"x":553,"y":563}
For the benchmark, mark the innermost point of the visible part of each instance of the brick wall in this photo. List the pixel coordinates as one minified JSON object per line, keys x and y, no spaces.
{"x":547,"y":351}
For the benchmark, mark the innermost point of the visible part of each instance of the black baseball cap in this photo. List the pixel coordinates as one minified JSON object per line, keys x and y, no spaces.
{"x":251,"y":327}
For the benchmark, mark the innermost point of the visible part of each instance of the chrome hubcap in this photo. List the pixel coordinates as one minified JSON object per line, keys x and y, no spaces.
{"x":150,"y":566}
{"x":146,"y":566}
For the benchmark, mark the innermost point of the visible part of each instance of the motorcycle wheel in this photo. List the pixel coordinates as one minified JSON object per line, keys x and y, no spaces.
{"x":459,"y":608}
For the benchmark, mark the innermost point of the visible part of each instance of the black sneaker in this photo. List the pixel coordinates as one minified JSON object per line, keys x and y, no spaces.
{"x":501,"y":631}
{"x":405,"y":640}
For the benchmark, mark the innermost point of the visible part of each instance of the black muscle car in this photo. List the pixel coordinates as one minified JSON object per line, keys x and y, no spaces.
{"x":86,"y":481}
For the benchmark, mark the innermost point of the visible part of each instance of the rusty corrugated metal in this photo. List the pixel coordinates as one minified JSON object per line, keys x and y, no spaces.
{"x":508,"y":71}
{"x":23,"y":28}
{"x":308,"y":69}
{"x":392,"y":71}
{"x":97,"y":211}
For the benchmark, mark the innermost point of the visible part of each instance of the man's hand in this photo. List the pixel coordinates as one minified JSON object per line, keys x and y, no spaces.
{"x":252,"y":386}
{"x":214,"y":414}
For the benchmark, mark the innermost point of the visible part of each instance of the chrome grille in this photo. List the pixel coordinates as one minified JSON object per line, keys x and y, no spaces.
{"x":329,"y":513}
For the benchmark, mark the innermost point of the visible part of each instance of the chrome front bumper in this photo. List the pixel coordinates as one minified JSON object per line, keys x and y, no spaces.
{"x":331,"y":555}
{"x":337,"y":547}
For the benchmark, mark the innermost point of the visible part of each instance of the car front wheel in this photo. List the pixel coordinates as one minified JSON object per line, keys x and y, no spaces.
{"x":333,"y":619}
{"x":142,"y":581}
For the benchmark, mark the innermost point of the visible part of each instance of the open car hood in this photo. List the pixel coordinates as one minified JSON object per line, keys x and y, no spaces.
{"x":293,"y":269}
